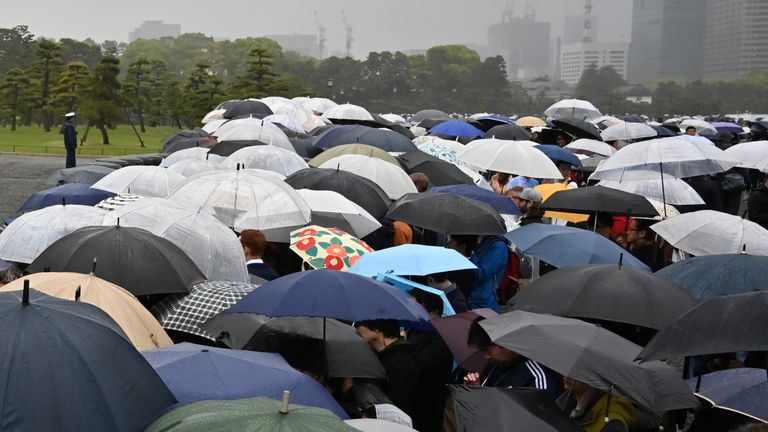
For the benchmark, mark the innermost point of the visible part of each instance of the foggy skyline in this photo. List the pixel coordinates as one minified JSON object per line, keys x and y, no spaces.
{"x":378,"y":26}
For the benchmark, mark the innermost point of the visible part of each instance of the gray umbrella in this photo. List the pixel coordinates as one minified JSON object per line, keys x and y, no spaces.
{"x":590,"y":354}
{"x":87,"y":174}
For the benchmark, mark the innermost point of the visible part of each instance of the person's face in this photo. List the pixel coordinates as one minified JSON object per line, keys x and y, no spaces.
{"x":515,"y":197}
{"x":561,"y":141}
{"x":367,"y":334}
{"x":633,"y":234}
{"x":498,"y":355}
{"x":690,"y":131}
{"x":565,"y":170}
{"x":524,"y":205}
{"x":453,"y":244}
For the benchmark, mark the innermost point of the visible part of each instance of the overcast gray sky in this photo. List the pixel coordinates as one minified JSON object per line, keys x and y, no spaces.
{"x":378,"y":25}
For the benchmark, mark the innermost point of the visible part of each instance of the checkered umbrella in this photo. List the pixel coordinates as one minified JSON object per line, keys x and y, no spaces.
{"x":186,"y":312}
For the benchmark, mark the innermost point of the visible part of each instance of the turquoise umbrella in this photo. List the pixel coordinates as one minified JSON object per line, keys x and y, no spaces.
{"x":411,"y":260}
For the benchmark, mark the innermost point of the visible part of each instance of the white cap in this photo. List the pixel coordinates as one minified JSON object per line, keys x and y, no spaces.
{"x":69,"y":114}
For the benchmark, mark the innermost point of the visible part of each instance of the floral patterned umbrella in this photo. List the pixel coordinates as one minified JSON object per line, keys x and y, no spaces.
{"x":328,"y":248}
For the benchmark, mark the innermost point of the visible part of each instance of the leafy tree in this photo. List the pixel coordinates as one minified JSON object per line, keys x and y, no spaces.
{"x":87,"y":52}
{"x":227,"y":56}
{"x":45,"y":71}
{"x":17,"y":48}
{"x":102,"y":105}
{"x":72,"y":85}
{"x":202,"y":92}
{"x":258,"y":76}
{"x":136,"y":87}
{"x":16,"y":84}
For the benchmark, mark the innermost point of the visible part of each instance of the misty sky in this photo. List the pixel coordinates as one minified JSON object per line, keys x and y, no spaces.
{"x":378,"y":25}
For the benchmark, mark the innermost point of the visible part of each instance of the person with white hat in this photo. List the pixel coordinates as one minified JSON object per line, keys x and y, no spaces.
{"x":70,"y":138}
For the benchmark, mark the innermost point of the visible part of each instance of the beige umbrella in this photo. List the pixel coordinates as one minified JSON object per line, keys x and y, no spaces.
{"x":139,"y":325}
{"x":530,"y":121}
{"x":359,"y":149}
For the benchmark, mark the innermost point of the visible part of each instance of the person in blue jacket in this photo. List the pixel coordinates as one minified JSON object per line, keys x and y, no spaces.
{"x":70,"y":138}
{"x":490,"y":257}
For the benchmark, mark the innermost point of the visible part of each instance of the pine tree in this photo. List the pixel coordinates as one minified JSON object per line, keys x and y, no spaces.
{"x":16,"y":84}
{"x":102,"y":105}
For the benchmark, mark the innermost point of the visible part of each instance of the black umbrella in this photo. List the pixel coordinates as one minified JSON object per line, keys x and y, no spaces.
{"x":600,"y":199}
{"x":606,"y":292}
{"x":87,"y":174}
{"x":304,"y":147}
{"x":186,"y":143}
{"x":386,"y":140}
{"x":301,"y":341}
{"x":226,"y":148}
{"x":489,"y":409}
{"x":68,"y":366}
{"x":447,"y":213}
{"x":439,"y":172}
{"x":508,"y":132}
{"x":713,"y":275}
{"x":359,"y":190}
{"x":579,"y":128}
{"x":719,"y":325}
{"x":132,"y":258}
{"x":429,"y":114}
{"x":247,"y":108}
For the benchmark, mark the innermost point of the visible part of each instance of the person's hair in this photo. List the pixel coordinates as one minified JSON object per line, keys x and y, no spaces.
{"x":389,"y":328}
{"x":421,"y":181}
{"x":689,"y":128}
{"x":516,"y":189}
{"x":477,"y":337}
{"x":254,"y":240}
{"x":645,"y":225}
{"x":10,"y":274}
{"x":430,"y":302}
{"x":467,"y":240}
{"x":752,"y":427}
{"x":604,"y":220}
{"x":439,"y":277}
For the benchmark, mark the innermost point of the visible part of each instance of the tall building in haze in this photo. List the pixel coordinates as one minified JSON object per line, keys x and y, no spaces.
{"x":154,"y":30}
{"x":524,"y":43}
{"x":735,"y":38}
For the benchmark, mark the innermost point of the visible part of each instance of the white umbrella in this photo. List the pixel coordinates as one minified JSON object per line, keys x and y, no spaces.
{"x":668,"y":210}
{"x":287,"y":121}
{"x":148,"y":181}
{"x":378,"y":425}
{"x":213,"y":247}
{"x":513,"y":157}
{"x":195,"y":153}
{"x":249,"y":129}
{"x":751,"y":154}
{"x":591,"y":147}
{"x":305,"y":117}
{"x":268,"y":158}
{"x":572,"y":108}
{"x":708,"y":232}
{"x":274,"y":102}
{"x":319,"y":105}
{"x":605,"y":121}
{"x":394,"y":118}
{"x":190,"y":167}
{"x":228,"y":195}
{"x":117,"y":201}
{"x":215,"y":115}
{"x":700,"y":125}
{"x":697,"y":139}
{"x":31,"y":233}
{"x":348,"y":112}
{"x":476,"y":177}
{"x":392,"y":179}
{"x":213,"y":126}
{"x":675,"y":191}
{"x":331,"y":209}
{"x":627,"y":132}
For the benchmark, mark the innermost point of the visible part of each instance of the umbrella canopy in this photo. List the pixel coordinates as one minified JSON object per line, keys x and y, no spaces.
{"x":392,"y":179}
{"x":590,"y":147}
{"x":429,"y":114}
{"x":721,"y":324}
{"x":530,"y":122}
{"x":287,"y":122}
{"x":195,"y":153}
{"x":318,"y":105}
{"x":751,"y":154}
{"x":251,"y":129}
{"x":357,"y":149}
{"x":701,"y":126}
{"x":513,"y":157}
{"x":254,"y":415}
{"x":86,"y":174}
{"x":667,"y":210}
{"x":139,"y":325}
{"x":117,"y":201}
{"x":564,"y":246}
{"x":376,"y":425}
{"x":558,"y":155}
{"x":150,"y":181}
{"x":511,"y":132}
{"x":213,"y":247}
{"x":447,"y":213}
{"x":303,"y":116}
{"x":132,"y":258}
{"x":600,"y":199}
{"x":359,"y":190}
{"x":187,"y":138}
{"x":194,"y":373}
{"x":347,"y":112}
{"x":708,"y":232}
{"x":328,"y":248}
{"x":456,"y":128}
{"x":394,"y":118}
{"x":331,"y":209}
{"x":31,"y":233}
{"x":330,"y":294}
{"x":185,"y":313}
{"x":494,"y":409}
{"x":439,"y":172}
{"x":628,"y":132}
{"x":607,"y":292}
{"x":670,"y":190}
{"x":275,"y":102}
{"x":578,"y":127}
{"x":728,"y":127}
{"x":740,"y":390}
{"x":245,"y":108}
{"x":549,"y":189}
{"x":191,"y":167}
{"x":270,"y":158}
{"x":572,"y":108}
{"x":383,"y":139}
{"x":213,"y":115}
{"x":68,"y":366}
{"x":71,"y":193}
{"x":411,"y":260}
{"x":715,"y":275}
{"x":501,"y":203}
{"x":442,"y":149}
{"x":455,"y":330}
{"x":407,"y":286}
{"x":592,"y":355}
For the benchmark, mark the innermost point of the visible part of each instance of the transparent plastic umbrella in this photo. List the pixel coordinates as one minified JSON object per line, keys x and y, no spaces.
{"x":250,"y":129}
{"x":331,"y":209}
{"x":513,"y":157}
{"x":591,"y":147}
{"x":195,"y":153}
{"x":270,"y":158}
{"x":708,"y":232}
{"x":319,"y":105}
{"x":149,"y":181}
{"x":675,"y":191}
{"x":392,"y":179}
{"x":751,"y":154}
{"x":572,"y":108}
{"x":347,"y":112}
{"x":627,"y":131}
{"x":191,"y":167}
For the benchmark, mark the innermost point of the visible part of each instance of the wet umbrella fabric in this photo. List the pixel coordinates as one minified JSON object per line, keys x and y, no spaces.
{"x":708,"y":232}
{"x":391,"y":178}
{"x":628,"y":131}
{"x":590,"y":147}
{"x":501,"y":203}
{"x":607,"y":292}
{"x":439,"y":172}
{"x":359,"y":149}
{"x":456,"y":128}
{"x":513,"y":157}
{"x":710,"y":276}
{"x":149,"y":181}
{"x":751,"y":154}
{"x":270,"y":158}
{"x":196,"y":373}
{"x":447,"y":213}
{"x":578,"y":127}
{"x":671,"y":190}
{"x":558,"y":155}
{"x":572,"y":108}
{"x":742,"y":390}
{"x":431,"y":114}
{"x":227,"y":148}
{"x":195,"y":153}
{"x":132,"y":258}
{"x":86,"y":174}
{"x":247,"y":107}
{"x":455,"y":330}
{"x":71,"y":193}
{"x":600,"y":199}
{"x":411,"y":260}
{"x":494,"y":409}
{"x":386,"y":140}
{"x":719,"y":325}
{"x":331,"y":209}
{"x":68,"y":366}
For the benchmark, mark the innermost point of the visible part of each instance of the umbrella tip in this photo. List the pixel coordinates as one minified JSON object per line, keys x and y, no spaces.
{"x":77,"y":294}
{"x":25,"y":293}
{"x":285,"y":401}
{"x":63,"y":201}
{"x":621,"y":259}
{"x":744,"y":249}
{"x":93,"y":267}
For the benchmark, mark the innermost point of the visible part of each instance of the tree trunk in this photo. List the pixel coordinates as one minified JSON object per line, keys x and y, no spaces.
{"x":141,"y":122}
{"x":104,"y":136}
{"x":14,"y":108}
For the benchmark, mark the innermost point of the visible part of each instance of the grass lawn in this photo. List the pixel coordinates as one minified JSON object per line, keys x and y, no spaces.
{"x":35,"y":140}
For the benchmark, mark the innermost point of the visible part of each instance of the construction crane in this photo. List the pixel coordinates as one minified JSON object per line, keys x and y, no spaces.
{"x":348,"y":28}
{"x":321,"y":39}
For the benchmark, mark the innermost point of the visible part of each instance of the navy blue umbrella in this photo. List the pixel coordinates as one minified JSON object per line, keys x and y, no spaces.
{"x":663,"y":131}
{"x":558,"y":154}
{"x":502,"y":204}
{"x":386,"y":140}
{"x":741,"y":390}
{"x":714,"y":275}
{"x":563,"y":246}
{"x":456,"y":128}
{"x":195,"y":373}
{"x":68,"y":366}
{"x":330,"y":294}
{"x":70,"y":193}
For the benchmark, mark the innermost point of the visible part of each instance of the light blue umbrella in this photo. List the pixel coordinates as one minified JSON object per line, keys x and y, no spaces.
{"x":411,"y":260}
{"x":408,"y":285}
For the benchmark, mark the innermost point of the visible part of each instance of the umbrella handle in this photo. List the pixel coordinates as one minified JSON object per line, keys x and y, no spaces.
{"x":608,"y":405}
{"x":284,"y":403}
{"x":25,"y":293}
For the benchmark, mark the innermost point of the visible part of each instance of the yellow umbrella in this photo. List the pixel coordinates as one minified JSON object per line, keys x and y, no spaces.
{"x":359,"y":149}
{"x":329,"y":248}
{"x":530,"y":121}
{"x":139,"y":325}
{"x":547,"y":190}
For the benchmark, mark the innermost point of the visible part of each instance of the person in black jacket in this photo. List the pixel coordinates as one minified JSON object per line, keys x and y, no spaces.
{"x":70,"y":139}
{"x":757,"y":206}
{"x":254,"y":244}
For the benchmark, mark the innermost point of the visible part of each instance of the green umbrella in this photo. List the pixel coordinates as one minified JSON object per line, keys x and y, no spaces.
{"x":359,"y":149}
{"x":252,"y":415}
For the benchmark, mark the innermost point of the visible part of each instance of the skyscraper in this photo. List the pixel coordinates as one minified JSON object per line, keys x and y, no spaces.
{"x":154,"y":30}
{"x":524,"y":43}
{"x":736,"y":38}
